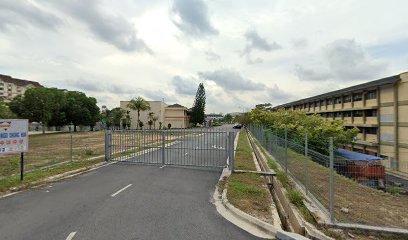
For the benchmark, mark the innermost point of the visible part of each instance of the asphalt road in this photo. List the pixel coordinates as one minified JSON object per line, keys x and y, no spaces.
{"x":120,"y":201}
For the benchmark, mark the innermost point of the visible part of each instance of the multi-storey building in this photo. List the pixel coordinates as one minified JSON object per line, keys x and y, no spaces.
{"x":11,"y":87}
{"x":175,"y":114}
{"x":379,"y":109}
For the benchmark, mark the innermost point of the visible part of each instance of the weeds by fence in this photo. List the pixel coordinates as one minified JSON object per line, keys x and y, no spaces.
{"x":357,"y":193}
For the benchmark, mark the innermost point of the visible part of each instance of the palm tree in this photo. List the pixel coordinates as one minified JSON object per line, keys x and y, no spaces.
{"x":150,"y":123}
{"x":151,"y":115}
{"x":155,"y":118}
{"x":138,"y":104}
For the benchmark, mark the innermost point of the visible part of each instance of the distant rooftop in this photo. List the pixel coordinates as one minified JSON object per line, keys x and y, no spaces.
{"x":20,"y":82}
{"x":176,"y":105}
{"x":371,"y":84}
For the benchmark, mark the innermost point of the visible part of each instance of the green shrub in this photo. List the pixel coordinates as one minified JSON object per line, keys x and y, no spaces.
{"x":282,"y":178}
{"x":295,"y":197}
{"x":89,"y":152}
{"x":395,"y":191}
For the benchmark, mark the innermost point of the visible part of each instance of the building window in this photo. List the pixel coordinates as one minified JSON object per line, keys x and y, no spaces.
{"x":371,"y":95}
{"x":358,"y":113}
{"x":338,"y":100}
{"x":323,"y":103}
{"x":317,"y":104}
{"x":330,"y":115}
{"x":358,"y":97}
{"x":347,"y":98}
{"x":330,"y":101}
{"x":371,"y":113}
{"x":371,"y":130}
{"x":347,"y":114}
{"x":338,"y":114}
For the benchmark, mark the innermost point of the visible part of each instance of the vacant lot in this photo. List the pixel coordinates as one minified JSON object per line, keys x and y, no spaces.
{"x":365,"y":205}
{"x":50,"y":149}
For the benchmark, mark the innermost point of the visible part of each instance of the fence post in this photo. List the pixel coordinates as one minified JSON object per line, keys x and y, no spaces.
{"x":108,"y":138}
{"x":231,"y":150}
{"x":286,"y":150}
{"x":306,"y":163}
{"x":163,"y":147}
{"x":331,"y":180}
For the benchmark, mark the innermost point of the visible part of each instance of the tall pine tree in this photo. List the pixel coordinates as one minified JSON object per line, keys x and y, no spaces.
{"x":198,"y":110}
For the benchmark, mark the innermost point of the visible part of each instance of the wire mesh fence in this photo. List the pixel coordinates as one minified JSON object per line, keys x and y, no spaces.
{"x":359,"y":192}
{"x":51,"y":149}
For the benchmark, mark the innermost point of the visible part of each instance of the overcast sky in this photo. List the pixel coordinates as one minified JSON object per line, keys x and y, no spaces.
{"x":245,"y":51}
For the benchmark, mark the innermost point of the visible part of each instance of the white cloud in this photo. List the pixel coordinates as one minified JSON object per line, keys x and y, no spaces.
{"x":102,"y":47}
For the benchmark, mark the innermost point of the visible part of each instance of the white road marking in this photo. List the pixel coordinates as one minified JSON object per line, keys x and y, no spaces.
{"x":71,"y":236}
{"x":121,"y":190}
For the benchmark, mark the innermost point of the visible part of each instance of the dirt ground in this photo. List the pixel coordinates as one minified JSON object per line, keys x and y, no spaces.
{"x":365,"y":205}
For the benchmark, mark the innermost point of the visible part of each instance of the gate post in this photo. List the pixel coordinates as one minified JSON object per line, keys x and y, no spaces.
{"x":231,"y":150}
{"x":108,"y":139}
{"x":163,"y":148}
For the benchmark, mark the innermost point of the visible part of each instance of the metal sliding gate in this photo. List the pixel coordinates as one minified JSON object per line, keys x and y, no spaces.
{"x":182,"y":147}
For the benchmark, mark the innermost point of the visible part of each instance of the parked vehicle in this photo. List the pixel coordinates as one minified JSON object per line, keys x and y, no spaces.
{"x":237,"y":126}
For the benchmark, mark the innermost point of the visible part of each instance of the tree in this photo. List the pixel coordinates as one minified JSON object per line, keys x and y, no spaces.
{"x":80,"y":109}
{"x":5,"y":111}
{"x":141,"y":124}
{"x":38,"y":104}
{"x":116,"y":115}
{"x":150,"y":123}
{"x":227,"y":118}
{"x":198,"y":110}
{"x":155,"y":118}
{"x":264,"y":106}
{"x":160,"y":125}
{"x":298,"y":122}
{"x":138,"y":104}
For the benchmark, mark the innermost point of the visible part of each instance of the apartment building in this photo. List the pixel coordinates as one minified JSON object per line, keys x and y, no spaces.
{"x":174,"y":114}
{"x":379,"y":109}
{"x":11,"y":87}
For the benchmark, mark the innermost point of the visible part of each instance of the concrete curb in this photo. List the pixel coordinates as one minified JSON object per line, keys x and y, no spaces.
{"x":239,"y":218}
{"x":57,"y":177}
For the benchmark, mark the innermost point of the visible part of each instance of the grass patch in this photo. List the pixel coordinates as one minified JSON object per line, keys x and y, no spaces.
{"x":48,"y":149}
{"x":247,"y":192}
{"x":31,"y":178}
{"x":243,"y":155}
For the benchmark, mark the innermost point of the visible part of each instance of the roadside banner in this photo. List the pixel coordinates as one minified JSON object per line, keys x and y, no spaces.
{"x":13,"y":136}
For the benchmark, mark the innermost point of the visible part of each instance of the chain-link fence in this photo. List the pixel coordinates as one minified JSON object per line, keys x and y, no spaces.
{"x":53,"y":149}
{"x":346,"y":188}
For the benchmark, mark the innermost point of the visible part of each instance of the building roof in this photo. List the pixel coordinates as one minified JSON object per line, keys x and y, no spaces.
{"x":176,"y":105}
{"x":355,"y":156}
{"x":20,"y":82}
{"x":359,"y":87}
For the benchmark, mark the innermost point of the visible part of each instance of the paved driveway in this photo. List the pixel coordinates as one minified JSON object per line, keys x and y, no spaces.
{"x":160,"y":203}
